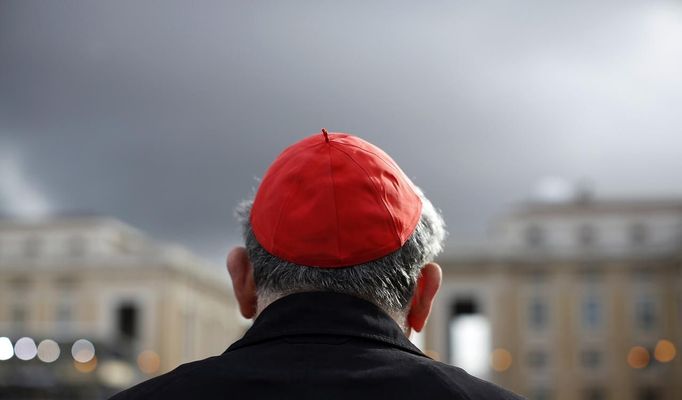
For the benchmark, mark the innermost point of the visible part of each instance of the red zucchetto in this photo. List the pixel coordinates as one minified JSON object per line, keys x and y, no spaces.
{"x":334,"y":200}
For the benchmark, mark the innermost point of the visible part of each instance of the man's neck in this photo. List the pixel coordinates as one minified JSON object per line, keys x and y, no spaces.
{"x":265,"y":299}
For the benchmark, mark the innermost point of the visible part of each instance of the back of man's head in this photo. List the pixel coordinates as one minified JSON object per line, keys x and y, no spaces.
{"x":335,"y":213}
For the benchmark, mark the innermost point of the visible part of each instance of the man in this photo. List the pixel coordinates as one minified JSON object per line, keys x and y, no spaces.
{"x":337,"y":272}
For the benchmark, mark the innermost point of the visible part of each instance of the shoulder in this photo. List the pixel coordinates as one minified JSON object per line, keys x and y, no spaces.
{"x":457,"y":381}
{"x":178,"y":380}
{"x":239,"y":372}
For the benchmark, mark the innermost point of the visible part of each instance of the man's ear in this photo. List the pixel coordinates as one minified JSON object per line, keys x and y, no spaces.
{"x":243,"y":283}
{"x":424,"y":293}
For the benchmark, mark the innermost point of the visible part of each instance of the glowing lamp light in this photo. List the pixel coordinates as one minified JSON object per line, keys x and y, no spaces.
{"x":665,"y":351}
{"x":83,"y":351}
{"x":25,"y":349}
{"x":6,"y":349}
{"x":116,"y":373}
{"x":500,"y":360}
{"x":149,"y":362}
{"x":638,"y":357}
{"x":48,"y":351}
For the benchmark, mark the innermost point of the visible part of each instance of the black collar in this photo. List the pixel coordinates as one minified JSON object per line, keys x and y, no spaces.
{"x":324,"y":313}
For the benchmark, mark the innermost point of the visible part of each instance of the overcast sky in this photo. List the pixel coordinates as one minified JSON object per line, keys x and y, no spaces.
{"x":163,"y":114}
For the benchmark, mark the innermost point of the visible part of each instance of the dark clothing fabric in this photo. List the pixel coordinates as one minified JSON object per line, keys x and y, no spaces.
{"x":319,"y":346}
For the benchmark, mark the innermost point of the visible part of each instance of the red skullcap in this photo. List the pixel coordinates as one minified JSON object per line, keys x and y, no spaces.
{"x":334,"y":200}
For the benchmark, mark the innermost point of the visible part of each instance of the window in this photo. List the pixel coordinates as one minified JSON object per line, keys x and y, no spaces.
{"x":537,"y":277}
{"x":645,"y":313}
{"x":64,"y":314}
{"x":535,"y":236}
{"x":66,"y":282}
{"x":20,"y":317}
{"x":76,"y":246}
{"x":128,"y":328}
{"x":587,"y":235}
{"x":591,"y":312}
{"x":591,"y":273}
{"x":537,"y":313}
{"x":638,"y":234}
{"x":537,"y":359}
{"x":32,"y":246}
{"x":590,"y":359}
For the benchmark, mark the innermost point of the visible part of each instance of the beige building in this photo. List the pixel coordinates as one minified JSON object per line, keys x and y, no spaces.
{"x":573,"y":301}
{"x":144,"y":306}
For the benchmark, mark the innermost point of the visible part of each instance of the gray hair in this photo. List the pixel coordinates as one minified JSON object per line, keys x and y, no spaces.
{"x":387,"y":282}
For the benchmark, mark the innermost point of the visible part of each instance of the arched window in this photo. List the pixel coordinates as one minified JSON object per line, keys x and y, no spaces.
{"x":128,"y":321}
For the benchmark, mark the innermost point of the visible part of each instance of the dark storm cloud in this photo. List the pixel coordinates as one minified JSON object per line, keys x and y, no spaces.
{"x":163,"y":113}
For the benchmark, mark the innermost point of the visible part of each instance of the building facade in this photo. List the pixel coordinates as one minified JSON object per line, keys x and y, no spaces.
{"x":115,"y":306}
{"x":574,"y":301}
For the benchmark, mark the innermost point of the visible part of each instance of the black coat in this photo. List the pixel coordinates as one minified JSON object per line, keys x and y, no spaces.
{"x":319,"y":346}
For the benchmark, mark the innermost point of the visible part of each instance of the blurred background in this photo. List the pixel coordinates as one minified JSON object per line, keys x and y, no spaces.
{"x":548,"y":133}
